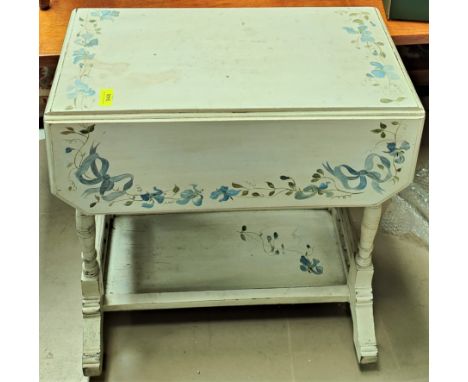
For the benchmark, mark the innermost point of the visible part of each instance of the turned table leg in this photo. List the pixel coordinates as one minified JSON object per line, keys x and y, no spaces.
{"x":92,"y":291}
{"x":360,"y":284}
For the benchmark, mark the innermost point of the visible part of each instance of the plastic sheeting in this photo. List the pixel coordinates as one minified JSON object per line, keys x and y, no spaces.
{"x":408,"y":212}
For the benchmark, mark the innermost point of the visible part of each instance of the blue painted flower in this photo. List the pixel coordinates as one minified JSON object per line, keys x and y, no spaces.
{"x":157,"y":195}
{"x":350,"y":30}
{"x":195,"y":195}
{"x":311,"y":267}
{"x":224,"y":193}
{"x":69,"y":149}
{"x":323,"y":186}
{"x":391,"y":147}
{"x":87,"y":39}
{"x":397,"y":152}
{"x":106,"y":14}
{"x":405,"y":145}
{"x":366,"y":35}
{"x":82,"y":54}
{"x":382,"y":71}
{"x":79,"y":87}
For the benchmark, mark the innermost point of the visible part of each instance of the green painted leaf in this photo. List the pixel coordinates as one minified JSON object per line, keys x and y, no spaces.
{"x":316,"y":176}
{"x":284,"y":177}
{"x":395,"y":123}
{"x":97,"y":198}
{"x":255,"y":194}
{"x":92,"y":204}
{"x":235,"y":185}
{"x":386,"y":100}
{"x":377,"y":131}
{"x":358,"y":21}
{"x":382,"y":135}
{"x":242,"y":236}
{"x":244,"y":228}
{"x":314,"y":179}
{"x":320,"y":171}
{"x":271,"y":193}
{"x":245,"y":192}
{"x":275,"y":235}
{"x":176,"y":189}
{"x":271,"y":185}
{"x":380,"y":166}
{"x":291,"y":184}
{"x":383,"y":125}
{"x":289,"y":192}
{"x":70,"y":128}
{"x":66,"y":132}
{"x":128,"y":202}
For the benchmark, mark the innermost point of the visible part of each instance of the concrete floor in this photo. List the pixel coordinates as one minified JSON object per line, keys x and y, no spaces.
{"x":269,"y":343}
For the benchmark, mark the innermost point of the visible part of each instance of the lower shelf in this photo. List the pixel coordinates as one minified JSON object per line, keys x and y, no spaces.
{"x":225,"y":258}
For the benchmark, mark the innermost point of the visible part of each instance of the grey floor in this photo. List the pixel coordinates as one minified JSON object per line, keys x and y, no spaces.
{"x":273,"y":343}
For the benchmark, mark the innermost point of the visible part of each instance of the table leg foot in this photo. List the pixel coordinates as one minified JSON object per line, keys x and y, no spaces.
{"x":92,"y":346}
{"x":362,"y":313}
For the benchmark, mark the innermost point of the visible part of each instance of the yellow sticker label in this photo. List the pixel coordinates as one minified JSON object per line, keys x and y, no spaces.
{"x":105,"y":97}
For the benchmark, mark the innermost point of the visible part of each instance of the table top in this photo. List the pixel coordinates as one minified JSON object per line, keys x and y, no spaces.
{"x":229,"y":60}
{"x":53,"y":22}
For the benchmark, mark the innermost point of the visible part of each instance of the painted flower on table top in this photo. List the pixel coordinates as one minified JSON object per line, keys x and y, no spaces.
{"x":79,"y":87}
{"x":366,"y":34}
{"x":195,"y":195}
{"x":86,"y":39}
{"x":82,"y":54}
{"x":105,"y":14}
{"x":224,"y":193}
{"x":381,"y":71}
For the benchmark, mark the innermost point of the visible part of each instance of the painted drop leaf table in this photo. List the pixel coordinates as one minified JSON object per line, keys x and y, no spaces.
{"x":211,"y":156}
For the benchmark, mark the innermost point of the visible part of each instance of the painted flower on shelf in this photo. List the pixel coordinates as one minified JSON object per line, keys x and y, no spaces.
{"x":312,"y":267}
{"x":79,"y":87}
{"x":194,"y":194}
{"x":82,"y":54}
{"x":224,"y":193}
{"x":397,"y":152}
{"x":105,"y":14}
{"x":382,"y":71}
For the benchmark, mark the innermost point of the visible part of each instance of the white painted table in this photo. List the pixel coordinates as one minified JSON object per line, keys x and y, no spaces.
{"x":266,"y":122}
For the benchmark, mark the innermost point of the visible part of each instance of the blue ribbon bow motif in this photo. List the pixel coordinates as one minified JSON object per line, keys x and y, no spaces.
{"x":105,"y":181}
{"x":375,"y":177}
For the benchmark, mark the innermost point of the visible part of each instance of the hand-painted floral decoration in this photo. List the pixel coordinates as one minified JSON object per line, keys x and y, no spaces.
{"x":381,"y":74}
{"x":273,"y":245}
{"x":86,"y":39}
{"x":94,"y":173}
